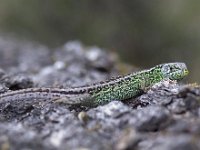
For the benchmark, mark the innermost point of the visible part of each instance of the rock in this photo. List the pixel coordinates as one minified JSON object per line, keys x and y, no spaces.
{"x":166,"y":116}
{"x":151,"y":118}
{"x":172,"y":142}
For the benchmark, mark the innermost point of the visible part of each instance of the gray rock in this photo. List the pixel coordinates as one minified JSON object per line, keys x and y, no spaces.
{"x":151,"y":118}
{"x":166,"y":116}
{"x":172,"y":142}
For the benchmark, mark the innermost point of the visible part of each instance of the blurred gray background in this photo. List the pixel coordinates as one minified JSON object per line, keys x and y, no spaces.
{"x":144,"y":33}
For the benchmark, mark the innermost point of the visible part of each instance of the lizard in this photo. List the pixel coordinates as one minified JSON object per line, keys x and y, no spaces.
{"x":118,"y":88}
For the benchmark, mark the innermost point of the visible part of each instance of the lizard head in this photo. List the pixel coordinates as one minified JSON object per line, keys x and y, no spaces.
{"x":174,"y":71}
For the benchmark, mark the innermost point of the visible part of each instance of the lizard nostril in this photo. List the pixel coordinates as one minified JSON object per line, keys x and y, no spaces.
{"x":186,"y":72}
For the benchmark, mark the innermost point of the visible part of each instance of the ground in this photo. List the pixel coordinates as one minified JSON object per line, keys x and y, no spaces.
{"x":165,"y":117}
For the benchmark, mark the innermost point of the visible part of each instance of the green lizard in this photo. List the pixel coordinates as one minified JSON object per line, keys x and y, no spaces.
{"x":119,"y":88}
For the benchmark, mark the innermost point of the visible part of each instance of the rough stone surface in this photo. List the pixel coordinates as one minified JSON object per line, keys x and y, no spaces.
{"x":167,"y":116}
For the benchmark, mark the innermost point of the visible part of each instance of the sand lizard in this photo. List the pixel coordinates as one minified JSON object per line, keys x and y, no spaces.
{"x":119,"y":88}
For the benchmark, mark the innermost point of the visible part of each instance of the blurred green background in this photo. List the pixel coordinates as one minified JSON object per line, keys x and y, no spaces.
{"x":144,"y":33}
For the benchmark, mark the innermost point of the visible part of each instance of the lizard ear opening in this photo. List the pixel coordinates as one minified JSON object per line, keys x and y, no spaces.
{"x":165,"y":69}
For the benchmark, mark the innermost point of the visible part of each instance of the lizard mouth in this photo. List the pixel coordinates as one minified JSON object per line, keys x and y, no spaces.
{"x":185,"y":72}
{"x":179,"y":75}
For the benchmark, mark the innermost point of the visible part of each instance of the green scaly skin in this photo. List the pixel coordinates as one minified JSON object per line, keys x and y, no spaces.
{"x":120,"y":88}
{"x":133,"y":84}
